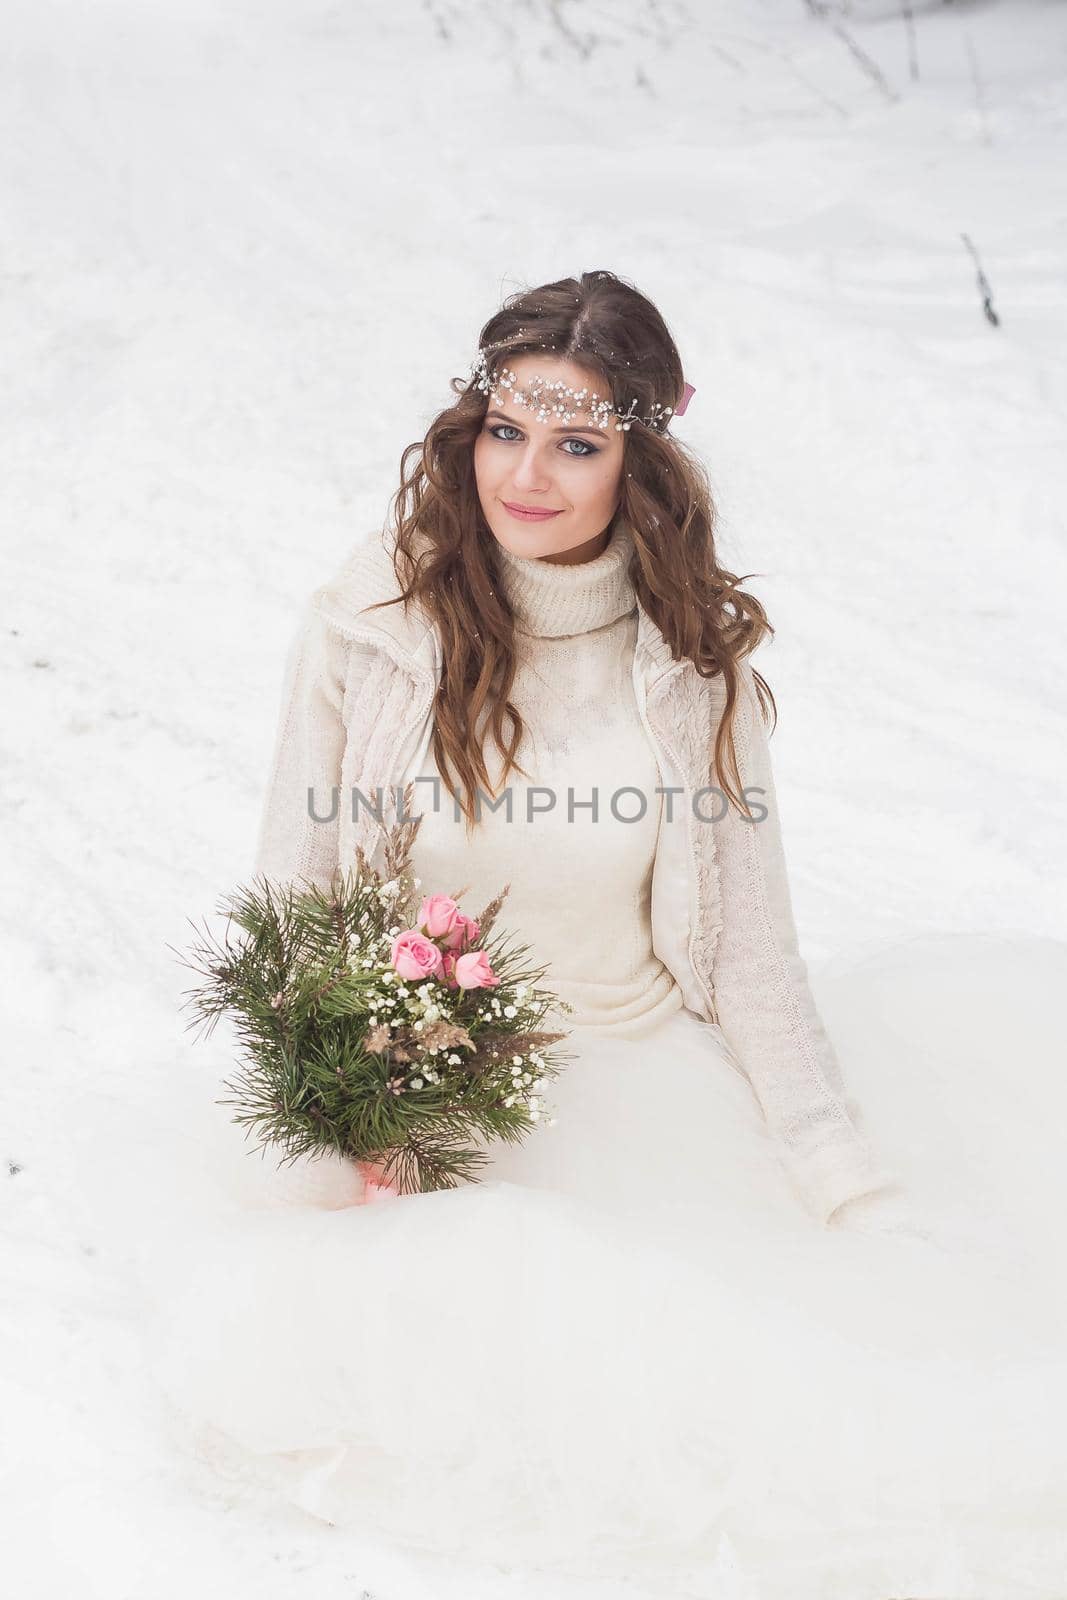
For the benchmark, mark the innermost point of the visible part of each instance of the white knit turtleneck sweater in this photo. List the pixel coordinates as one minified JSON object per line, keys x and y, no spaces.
{"x":580,"y":889}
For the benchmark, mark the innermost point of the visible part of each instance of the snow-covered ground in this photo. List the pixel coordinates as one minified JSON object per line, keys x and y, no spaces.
{"x":243,"y":249}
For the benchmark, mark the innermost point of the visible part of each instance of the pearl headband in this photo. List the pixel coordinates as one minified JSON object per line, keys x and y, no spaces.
{"x":546,"y":399}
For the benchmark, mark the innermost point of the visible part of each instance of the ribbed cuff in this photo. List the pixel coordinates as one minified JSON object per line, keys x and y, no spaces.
{"x":829,"y":1177}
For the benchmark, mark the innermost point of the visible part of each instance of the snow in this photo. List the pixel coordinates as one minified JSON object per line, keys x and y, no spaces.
{"x":245,"y":248}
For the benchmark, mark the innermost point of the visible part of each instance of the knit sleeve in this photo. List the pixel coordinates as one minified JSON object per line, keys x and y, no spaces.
{"x":305,"y":772}
{"x":763,"y":996}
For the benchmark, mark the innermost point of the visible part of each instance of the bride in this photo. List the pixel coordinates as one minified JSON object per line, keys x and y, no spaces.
{"x":729,"y":1316}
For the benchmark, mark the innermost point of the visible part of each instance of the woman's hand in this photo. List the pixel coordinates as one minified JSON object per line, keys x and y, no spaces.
{"x":376,"y":1186}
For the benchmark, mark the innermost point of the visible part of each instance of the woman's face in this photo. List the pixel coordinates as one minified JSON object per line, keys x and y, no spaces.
{"x":573,"y":471}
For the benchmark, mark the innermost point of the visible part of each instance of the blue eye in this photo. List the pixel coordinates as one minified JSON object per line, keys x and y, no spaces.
{"x":586,"y":450}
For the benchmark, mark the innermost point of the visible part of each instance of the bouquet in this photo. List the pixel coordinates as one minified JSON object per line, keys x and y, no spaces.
{"x":382,"y":1025}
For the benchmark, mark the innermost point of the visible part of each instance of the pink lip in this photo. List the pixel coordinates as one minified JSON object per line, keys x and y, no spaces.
{"x":528,"y":513}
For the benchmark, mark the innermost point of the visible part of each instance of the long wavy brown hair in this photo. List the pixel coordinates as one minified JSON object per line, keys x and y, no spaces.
{"x":445,"y":553}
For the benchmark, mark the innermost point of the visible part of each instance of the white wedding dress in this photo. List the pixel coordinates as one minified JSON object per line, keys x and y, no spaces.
{"x":629,"y":1354}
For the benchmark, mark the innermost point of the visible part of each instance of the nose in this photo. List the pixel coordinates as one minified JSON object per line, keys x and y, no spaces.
{"x":530,"y":473}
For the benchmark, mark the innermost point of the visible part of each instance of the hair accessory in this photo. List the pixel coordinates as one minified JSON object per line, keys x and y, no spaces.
{"x":688,"y":394}
{"x":556,"y":399}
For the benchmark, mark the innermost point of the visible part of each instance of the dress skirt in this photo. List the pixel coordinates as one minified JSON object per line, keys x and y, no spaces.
{"x":629,"y":1351}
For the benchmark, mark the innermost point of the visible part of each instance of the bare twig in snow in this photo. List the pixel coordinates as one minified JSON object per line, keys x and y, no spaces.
{"x":440,"y":26}
{"x":913,"y":52}
{"x":820,"y":10}
{"x":983,"y":284}
{"x":979,"y":91}
{"x":583,"y":45}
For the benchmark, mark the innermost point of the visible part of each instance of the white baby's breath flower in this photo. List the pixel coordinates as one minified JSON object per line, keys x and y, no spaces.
{"x":416,"y":1083}
{"x":517,"y":1060}
{"x":454,"y":1060}
{"x":511,"y":1011}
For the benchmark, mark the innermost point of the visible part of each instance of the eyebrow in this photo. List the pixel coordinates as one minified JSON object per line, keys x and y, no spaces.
{"x":505,"y":418}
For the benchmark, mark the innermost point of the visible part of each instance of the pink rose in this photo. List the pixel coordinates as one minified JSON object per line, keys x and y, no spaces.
{"x":463,"y":934}
{"x":438,"y":914}
{"x":474,"y":972}
{"x":414,"y":956}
